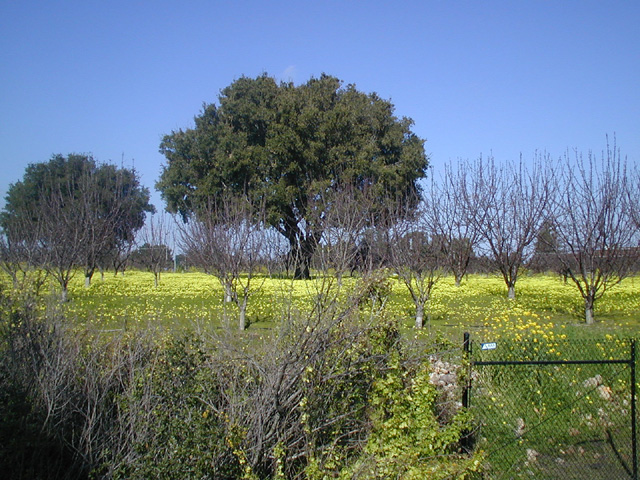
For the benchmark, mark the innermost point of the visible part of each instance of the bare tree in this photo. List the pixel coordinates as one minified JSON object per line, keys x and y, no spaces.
{"x":449,"y":219}
{"x":64,"y":237}
{"x":346,"y":217}
{"x":227,"y":239}
{"x":418,"y":258}
{"x":120,"y":255}
{"x":20,"y":254}
{"x":596,"y":235}
{"x":508,"y":205}
{"x":103,"y":211}
{"x":154,"y":254}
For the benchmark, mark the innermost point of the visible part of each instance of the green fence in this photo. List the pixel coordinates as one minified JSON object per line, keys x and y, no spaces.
{"x":566,"y":410}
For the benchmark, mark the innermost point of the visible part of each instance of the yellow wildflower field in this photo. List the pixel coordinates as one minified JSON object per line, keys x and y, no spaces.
{"x":543,"y":303}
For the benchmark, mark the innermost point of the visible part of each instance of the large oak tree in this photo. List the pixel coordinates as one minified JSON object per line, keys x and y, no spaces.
{"x":289,"y":146}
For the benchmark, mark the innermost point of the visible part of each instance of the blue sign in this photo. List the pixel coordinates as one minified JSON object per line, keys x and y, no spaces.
{"x":488,"y":346}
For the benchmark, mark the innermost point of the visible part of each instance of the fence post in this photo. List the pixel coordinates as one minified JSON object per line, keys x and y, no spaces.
{"x":634,"y":438}
{"x":467,"y":441}
{"x":467,"y":358}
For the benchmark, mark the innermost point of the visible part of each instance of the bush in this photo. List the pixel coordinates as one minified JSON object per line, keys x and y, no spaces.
{"x":308,"y":400}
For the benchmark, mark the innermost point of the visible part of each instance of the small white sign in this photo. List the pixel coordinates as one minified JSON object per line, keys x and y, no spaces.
{"x":488,"y":346}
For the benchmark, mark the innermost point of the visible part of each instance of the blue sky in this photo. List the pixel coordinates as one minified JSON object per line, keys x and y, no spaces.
{"x":507,"y":77}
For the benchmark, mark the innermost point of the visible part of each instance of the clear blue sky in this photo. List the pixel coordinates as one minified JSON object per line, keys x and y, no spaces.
{"x":508,"y":77}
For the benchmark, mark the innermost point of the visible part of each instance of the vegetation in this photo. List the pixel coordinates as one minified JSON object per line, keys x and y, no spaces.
{"x":306,"y":228}
{"x":128,"y":380}
{"x":185,"y":300}
{"x":70,"y":212}
{"x":304,"y":399}
{"x":292,"y":147}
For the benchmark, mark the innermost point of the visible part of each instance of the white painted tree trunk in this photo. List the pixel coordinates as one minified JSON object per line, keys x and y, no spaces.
{"x":242,"y":317}
{"x":227,"y":293}
{"x":419,"y":316}
{"x":512,"y":292}
{"x":588,"y":311}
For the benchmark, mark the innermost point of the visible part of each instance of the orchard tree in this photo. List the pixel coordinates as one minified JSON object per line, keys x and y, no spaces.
{"x":290,"y":145}
{"x":154,"y":253}
{"x":122,"y":208}
{"x":596,"y":236}
{"x":447,"y":217}
{"x":116,"y":208}
{"x":229,"y":239}
{"x":346,"y":216}
{"x":418,"y":257}
{"x":508,"y":205}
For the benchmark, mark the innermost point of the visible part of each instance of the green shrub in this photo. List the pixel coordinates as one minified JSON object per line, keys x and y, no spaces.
{"x":407,"y":440}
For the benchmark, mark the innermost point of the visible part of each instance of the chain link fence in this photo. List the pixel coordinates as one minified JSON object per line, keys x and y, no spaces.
{"x":564,"y":410}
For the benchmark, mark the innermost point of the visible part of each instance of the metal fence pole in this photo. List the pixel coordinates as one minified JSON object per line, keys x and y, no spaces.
{"x":467,"y":440}
{"x":634,"y":439}
{"x":467,"y":357}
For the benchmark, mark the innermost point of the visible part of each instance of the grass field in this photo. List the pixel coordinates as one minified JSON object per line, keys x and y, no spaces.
{"x":184,"y":299}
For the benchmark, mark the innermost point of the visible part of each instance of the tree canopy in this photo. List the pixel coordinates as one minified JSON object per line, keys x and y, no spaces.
{"x":292,"y":147}
{"x":74,"y":211}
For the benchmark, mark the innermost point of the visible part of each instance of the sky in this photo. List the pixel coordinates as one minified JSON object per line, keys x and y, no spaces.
{"x":501,"y":78}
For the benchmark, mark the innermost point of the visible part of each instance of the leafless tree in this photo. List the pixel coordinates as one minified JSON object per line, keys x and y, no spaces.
{"x":228,"y":240}
{"x":447,"y":216}
{"x":508,"y":205}
{"x":345,"y":219}
{"x":596,"y":235}
{"x":100,"y":225}
{"x":418,"y":257}
{"x":154,"y":253}
{"x":20,"y":254}
{"x":119,"y":256}
{"x":64,"y":237}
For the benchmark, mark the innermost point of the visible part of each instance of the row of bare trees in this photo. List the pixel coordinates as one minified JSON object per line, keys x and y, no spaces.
{"x":577,"y":216}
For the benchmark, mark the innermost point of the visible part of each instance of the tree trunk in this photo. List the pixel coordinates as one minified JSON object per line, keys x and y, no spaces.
{"x":419,"y":315}
{"x":242,"y":317}
{"x":301,"y":251}
{"x":89,"y":270}
{"x":588,"y":311}
{"x":511,"y":295}
{"x":303,"y":270}
{"x":228,"y":297}
{"x":88,"y":275}
{"x":64,"y":295}
{"x":458,"y":279}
